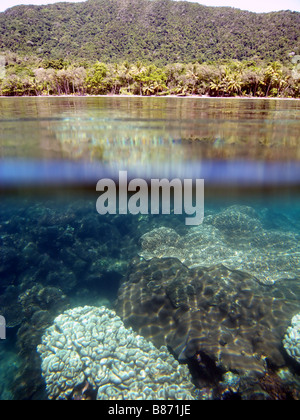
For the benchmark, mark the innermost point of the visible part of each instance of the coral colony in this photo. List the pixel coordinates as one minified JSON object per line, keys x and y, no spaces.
{"x":91,"y":346}
{"x":138,"y":203}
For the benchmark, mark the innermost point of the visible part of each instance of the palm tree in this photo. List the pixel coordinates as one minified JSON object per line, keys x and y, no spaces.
{"x":273,"y":75}
{"x":137,"y":71}
{"x":192,"y":76}
{"x":125,"y":76}
{"x":233,"y":83}
{"x":217,"y":86}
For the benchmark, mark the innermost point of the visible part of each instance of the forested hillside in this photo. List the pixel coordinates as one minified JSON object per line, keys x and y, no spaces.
{"x":156,"y":31}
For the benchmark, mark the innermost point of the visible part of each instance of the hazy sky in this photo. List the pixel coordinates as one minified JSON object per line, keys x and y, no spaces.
{"x":253,"y":5}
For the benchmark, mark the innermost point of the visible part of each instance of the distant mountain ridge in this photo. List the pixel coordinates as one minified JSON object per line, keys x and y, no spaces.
{"x":158,"y":31}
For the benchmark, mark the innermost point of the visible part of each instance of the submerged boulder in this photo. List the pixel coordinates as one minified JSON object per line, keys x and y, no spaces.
{"x":223,"y":317}
{"x":235,"y":237}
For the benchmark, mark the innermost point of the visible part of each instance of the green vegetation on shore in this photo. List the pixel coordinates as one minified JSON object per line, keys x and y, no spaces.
{"x":148,"y":47}
{"x":28,"y":76}
{"x":152,"y":31}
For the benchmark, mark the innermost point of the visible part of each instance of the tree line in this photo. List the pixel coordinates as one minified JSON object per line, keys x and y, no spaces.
{"x":23,"y":77}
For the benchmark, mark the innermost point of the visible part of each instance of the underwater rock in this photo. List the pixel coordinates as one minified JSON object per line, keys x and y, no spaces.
{"x":234,"y":237}
{"x":236,"y":220}
{"x":223,"y":317}
{"x":40,"y":304}
{"x":276,"y":388}
{"x":10,"y":307}
{"x":291,"y":341}
{"x":159,"y":237}
{"x":8,"y":259}
{"x":41,"y":297}
{"x":89,"y":348}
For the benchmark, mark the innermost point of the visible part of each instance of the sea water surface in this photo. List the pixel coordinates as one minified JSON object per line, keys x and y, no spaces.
{"x":58,"y":253}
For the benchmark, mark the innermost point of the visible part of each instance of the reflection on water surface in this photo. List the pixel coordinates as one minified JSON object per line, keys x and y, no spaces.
{"x":131,"y":130}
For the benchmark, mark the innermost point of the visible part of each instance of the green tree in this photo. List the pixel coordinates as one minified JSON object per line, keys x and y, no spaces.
{"x":273,"y":78}
{"x":192,"y":74}
{"x":233,"y":84}
{"x":251,"y":78}
{"x":58,"y":64}
{"x":96,"y":83}
{"x":125,"y":76}
{"x":45,"y":81}
{"x":77,"y":77}
{"x":152,"y":80}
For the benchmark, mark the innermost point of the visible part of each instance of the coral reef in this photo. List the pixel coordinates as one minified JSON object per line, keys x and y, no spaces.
{"x":61,"y":243}
{"x":10,"y":307}
{"x":272,"y":384}
{"x":50,"y":249}
{"x":57,"y":253}
{"x":291,"y":341}
{"x":9,"y":365}
{"x":39,"y":305}
{"x":223,"y":317}
{"x":235,"y":237}
{"x":89,"y":347}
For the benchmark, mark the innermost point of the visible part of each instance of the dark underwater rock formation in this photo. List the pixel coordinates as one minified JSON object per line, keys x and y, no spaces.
{"x":223,"y":317}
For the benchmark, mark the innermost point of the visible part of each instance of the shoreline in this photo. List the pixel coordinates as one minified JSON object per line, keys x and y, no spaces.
{"x":152,"y":96}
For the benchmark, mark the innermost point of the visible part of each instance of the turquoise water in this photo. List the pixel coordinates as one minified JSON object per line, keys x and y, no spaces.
{"x":58,"y":253}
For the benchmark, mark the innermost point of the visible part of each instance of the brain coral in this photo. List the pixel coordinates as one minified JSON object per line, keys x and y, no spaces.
{"x":291,"y":341}
{"x":90,"y":347}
